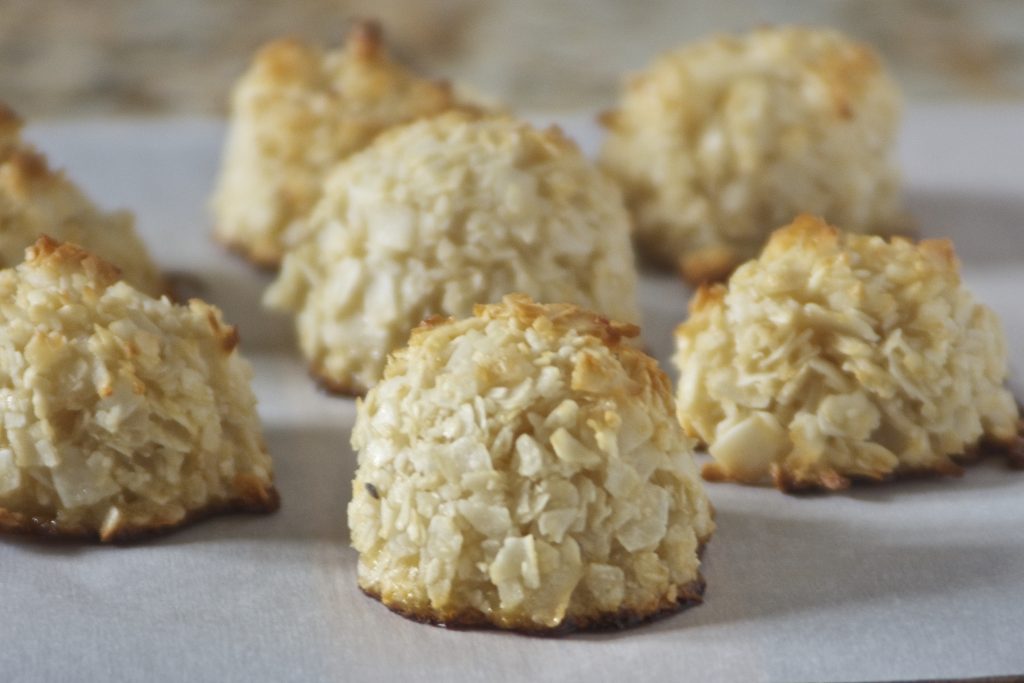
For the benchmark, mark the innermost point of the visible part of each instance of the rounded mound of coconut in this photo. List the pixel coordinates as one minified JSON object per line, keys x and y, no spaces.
{"x":837,"y":356}
{"x":720,"y":142}
{"x":295,"y":113}
{"x":123,"y":415}
{"x":36,"y":200}
{"x":523,"y":469}
{"x":440,"y":215}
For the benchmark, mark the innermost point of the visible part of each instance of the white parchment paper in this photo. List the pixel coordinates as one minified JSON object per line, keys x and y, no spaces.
{"x":913,"y":580}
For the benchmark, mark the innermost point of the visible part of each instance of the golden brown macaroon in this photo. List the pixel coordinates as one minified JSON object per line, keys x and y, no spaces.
{"x":523,"y":469}
{"x":836,"y":357}
{"x":720,"y":142}
{"x":124,"y":415}
{"x":36,"y":200}
{"x":295,"y":113}
{"x":442,"y":214}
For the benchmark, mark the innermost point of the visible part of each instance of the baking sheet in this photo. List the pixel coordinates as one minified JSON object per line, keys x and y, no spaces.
{"x":912,"y":580}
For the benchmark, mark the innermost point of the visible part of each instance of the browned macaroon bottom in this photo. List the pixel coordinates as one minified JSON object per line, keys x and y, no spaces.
{"x":334,"y":387}
{"x":833,"y":481}
{"x":272,"y":265}
{"x":704,"y":265}
{"x":181,"y":286}
{"x":708,"y":265}
{"x":266,"y":501}
{"x":265,"y":261}
{"x":688,"y":595}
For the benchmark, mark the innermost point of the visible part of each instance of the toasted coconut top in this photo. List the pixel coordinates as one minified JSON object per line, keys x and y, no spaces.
{"x":359,"y":79}
{"x":36,"y":199}
{"x":843,"y":69}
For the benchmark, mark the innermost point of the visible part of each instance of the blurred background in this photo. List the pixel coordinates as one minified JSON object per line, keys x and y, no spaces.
{"x":88,"y":58}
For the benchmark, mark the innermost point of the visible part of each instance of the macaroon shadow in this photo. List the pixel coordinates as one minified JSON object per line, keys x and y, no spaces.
{"x":664,"y":300}
{"x":314,"y":468}
{"x":313,"y":471}
{"x":958,"y":215}
{"x":57,"y":547}
{"x":993,"y":471}
{"x":765,"y":566}
{"x":237,"y":290}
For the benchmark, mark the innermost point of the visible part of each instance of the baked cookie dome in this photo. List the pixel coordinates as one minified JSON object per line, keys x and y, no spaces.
{"x":720,"y":142}
{"x":442,"y":214}
{"x":123,"y":415}
{"x":836,"y":356}
{"x":522,"y":469}
{"x":296,"y":112}
{"x":36,"y":200}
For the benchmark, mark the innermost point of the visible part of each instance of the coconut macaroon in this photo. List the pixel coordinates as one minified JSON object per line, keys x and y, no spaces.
{"x":123,"y":415}
{"x":720,"y":142}
{"x":36,"y":200}
{"x":522,"y":468}
{"x":835,"y":357}
{"x":295,"y":113}
{"x":442,"y":214}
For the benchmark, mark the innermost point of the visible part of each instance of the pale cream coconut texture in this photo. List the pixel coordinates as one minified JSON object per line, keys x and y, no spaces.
{"x":123,"y":415}
{"x":295,"y":113}
{"x":720,"y":142}
{"x":522,"y":468}
{"x":440,"y":215}
{"x":36,"y":200}
{"x":835,"y":356}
